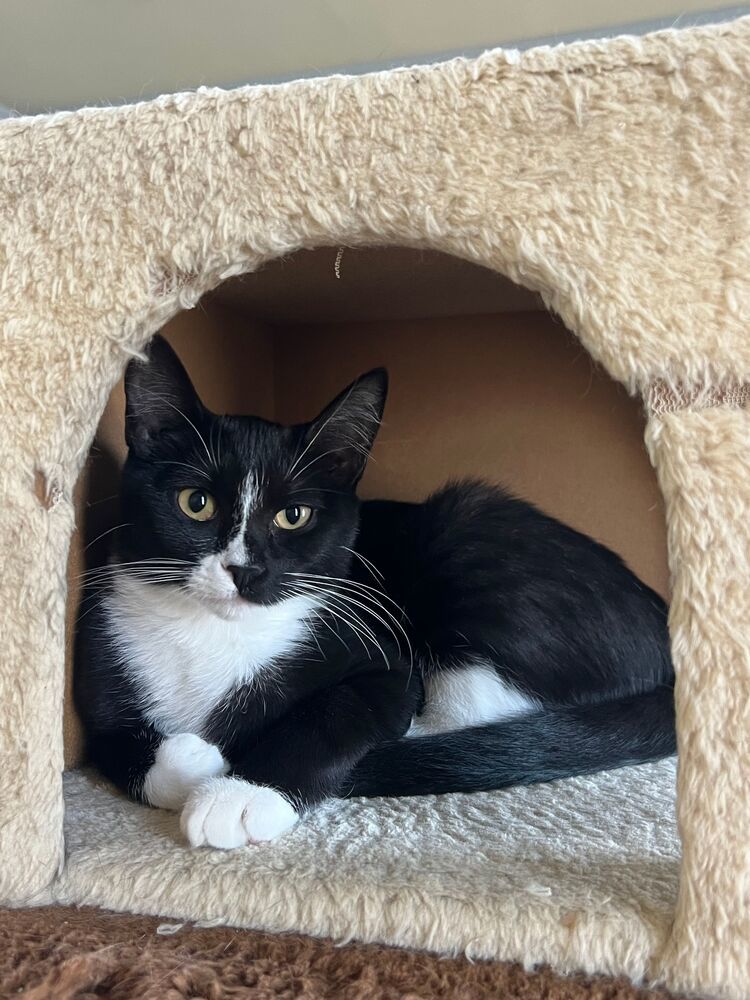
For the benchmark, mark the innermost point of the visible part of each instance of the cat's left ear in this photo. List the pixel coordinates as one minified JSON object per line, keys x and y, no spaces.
{"x":340,"y":439}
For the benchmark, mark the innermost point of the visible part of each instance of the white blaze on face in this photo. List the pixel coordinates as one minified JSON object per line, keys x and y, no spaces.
{"x":210,"y":579}
{"x":236,"y":554}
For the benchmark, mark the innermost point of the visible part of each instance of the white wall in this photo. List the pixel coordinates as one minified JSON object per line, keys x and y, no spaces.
{"x":65,"y":53}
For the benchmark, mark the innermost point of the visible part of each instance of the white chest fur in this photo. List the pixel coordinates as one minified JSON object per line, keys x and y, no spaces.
{"x":184,"y":659}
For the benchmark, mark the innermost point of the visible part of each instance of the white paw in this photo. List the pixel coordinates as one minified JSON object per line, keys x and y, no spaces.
{"x":181,"y":763}
{"x":230,"y":812}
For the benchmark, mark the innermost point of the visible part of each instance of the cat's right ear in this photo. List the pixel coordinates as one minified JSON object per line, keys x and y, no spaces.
{"x":159,"y":398}
{"x":340,"y":438}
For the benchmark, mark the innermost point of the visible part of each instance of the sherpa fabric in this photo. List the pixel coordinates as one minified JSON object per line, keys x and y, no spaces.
{"x":611,"y":177}
{"x":580,"y":874}
{"x":59,"y":953}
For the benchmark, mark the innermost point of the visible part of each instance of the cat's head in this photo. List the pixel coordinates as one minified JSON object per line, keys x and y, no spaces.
{"x":239,"y":509}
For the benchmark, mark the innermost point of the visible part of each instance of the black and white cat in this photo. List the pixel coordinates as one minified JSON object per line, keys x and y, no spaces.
{"x":261,"y":640}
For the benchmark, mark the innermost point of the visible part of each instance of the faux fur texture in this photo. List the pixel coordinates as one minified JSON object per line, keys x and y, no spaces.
{"x":580,"y":874}
{"x":612,"y":177}
{"x":703,"y":461}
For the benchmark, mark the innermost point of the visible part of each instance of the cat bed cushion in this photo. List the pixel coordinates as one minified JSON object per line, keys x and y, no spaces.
{"x":580,"y":873}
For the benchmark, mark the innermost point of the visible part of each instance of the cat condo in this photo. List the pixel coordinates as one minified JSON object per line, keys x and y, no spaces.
{"x":423,"y":219}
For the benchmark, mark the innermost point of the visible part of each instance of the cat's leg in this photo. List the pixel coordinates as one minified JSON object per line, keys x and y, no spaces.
{"x":302,"y":760}
{"x":181,"y":763}
{"x":124,"y":755}
{"x":149,"y":768}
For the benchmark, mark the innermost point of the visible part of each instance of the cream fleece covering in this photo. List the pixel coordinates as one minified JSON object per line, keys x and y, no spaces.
{"x":580,"y":872}
{"x":611,"y":177}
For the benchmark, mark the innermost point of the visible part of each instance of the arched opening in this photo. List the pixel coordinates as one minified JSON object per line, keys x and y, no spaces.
{"x":484,"y":383}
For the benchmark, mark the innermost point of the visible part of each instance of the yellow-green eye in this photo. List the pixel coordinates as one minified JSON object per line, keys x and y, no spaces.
{"x":292,"y":518}
{"x":197,"y":504}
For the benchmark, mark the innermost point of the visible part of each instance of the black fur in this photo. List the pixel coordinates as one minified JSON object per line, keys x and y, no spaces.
{"x":471,"y":574}
{"x":558,"y":742}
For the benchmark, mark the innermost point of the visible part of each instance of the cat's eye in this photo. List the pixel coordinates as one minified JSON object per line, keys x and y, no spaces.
{"x":292,"y":518}
{"x":197,"y":504}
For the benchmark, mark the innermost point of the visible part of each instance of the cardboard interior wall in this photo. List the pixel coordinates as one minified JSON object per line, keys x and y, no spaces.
{"x":609,"y":177}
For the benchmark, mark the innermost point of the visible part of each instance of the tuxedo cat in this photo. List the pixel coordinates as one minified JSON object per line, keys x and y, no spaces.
{"x":260,"y":640}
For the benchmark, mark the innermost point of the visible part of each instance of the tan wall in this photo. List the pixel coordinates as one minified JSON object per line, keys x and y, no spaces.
{"x":510,"y":397}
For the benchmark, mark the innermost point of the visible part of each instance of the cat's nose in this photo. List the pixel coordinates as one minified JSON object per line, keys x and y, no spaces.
{"x":245,"y":576}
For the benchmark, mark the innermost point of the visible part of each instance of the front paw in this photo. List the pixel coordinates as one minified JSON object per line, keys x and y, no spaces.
{"x":181,"y":763}
{"x":230,"y":812}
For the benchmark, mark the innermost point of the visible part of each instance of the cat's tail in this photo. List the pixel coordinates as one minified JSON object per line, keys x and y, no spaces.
{"x":545,"y":745}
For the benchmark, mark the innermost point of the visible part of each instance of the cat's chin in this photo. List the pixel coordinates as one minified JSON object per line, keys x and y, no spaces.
{"x":226,"y":607}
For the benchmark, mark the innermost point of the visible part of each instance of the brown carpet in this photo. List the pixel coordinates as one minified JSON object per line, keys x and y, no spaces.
{"x":58,"y":953}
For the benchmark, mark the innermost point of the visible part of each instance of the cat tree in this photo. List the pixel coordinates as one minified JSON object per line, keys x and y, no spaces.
{"x":610,"y":177}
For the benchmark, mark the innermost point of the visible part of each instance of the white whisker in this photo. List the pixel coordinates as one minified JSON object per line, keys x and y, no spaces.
{"x":346,"y":588}
{"x":346,"y":605}
{"x":186,"y":465}
{"x":374,"y":571}
{"x":344,"y":614}
{"x":331,"y":451}
{"x":320,"y":430}
{"x":104,"y":534}
{"x":202,"y":440}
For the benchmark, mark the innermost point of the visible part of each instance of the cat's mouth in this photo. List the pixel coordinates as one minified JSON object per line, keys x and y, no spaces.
{"x":230,"y":606}
{"x":222,"y":601}
{"x":212,"y":584}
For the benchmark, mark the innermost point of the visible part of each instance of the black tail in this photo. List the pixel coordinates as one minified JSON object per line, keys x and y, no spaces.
{"x":550,"y":744}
